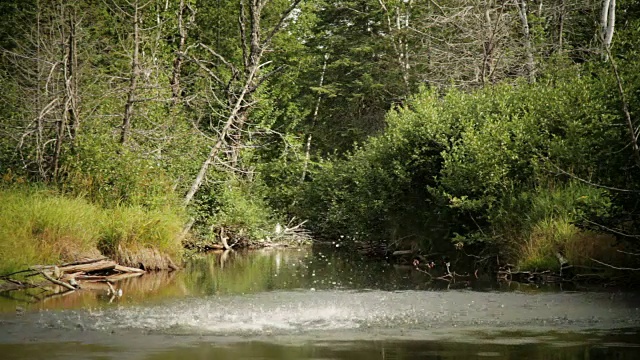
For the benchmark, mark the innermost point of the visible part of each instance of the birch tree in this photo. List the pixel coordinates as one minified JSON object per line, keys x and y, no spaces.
{"x":522,"y":11}
{"x":607,"y":22}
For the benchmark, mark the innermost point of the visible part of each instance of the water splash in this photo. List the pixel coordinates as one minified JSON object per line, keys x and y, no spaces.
{"x":293,"y":312}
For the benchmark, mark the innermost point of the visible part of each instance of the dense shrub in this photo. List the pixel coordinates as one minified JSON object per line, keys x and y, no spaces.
{"x":491,"y":166}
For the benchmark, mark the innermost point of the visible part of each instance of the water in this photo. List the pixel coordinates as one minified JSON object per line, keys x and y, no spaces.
{"x":303,"y":304}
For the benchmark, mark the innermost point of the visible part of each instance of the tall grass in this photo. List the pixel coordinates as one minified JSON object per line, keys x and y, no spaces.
{"x":136,"y":236}
{"x":577,"y":245}
{"x":39,"y":226}
{"x":551,"y":225}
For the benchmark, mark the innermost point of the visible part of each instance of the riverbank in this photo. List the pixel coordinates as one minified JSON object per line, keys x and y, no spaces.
{"x":40,"y":226}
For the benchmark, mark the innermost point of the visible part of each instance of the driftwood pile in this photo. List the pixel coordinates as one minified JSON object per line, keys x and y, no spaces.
{"x":71,"y":276}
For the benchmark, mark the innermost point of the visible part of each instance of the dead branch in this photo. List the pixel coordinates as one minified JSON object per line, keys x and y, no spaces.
{"x":83,"y":262}
{"x":625,"y":105}
{"x":587,"y":181}
{"x":57,"y":282}
{"x":628,"y":253}
{"x":614,"y":231}
{"x":614,"y":267}
{"x":90,"y":267}
{"x":67,"y":275}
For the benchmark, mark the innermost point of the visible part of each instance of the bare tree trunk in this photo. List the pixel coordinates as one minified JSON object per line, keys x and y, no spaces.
{"x":607,"y":21}
{"x":69,"y":116}
{"x":488,"y":47}
{"x":522,"y":10}
{"x":236,"y":136}
{"x":561,"y":17}
{"x":38,"y":101}
{"x":307,"y":152}
{"x":133,"y":80}
{"x":177,"y":62}
{"x":400,"y":45}
{"x":73,"y":81}
{"x":223,"y":134}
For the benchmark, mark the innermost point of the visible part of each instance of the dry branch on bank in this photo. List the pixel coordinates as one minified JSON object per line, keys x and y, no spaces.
{"x":70,"y":276}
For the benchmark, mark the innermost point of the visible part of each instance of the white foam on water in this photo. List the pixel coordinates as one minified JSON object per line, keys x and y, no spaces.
{"x":290,"y":312}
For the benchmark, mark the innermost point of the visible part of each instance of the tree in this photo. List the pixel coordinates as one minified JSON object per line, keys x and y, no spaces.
{"x":244,"y":80}
{"x":47,"y":79}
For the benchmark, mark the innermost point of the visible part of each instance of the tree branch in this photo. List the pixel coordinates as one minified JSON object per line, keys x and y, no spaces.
{"x":614,"y":267}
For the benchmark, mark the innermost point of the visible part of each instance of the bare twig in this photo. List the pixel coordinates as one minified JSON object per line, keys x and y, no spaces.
{"x":614,"y":267}
{"x":617,"y":232}
{"x":628,"y":253}
{"x":57,"y":282}
{"x":625,"y":109}
{"x":587,"y":181}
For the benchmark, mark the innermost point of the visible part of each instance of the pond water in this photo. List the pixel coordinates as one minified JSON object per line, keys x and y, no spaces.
{"x":317,"y":304}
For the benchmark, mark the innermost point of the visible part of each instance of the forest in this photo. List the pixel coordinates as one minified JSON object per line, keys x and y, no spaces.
{"x":504,"y":129}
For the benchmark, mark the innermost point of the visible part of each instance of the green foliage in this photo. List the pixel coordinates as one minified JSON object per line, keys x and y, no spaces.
{"x":238,"y":206}
{"x":39,"y":227}
{"x":494,"y":166}
{"x":489,"y":165}
{"x":113,"y":177}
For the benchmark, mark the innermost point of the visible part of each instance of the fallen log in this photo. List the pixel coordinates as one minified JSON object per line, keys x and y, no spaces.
{"x":69,"y":275}
{"x":102,"y":265}
{"x":126,"y":269}
{"x":84,"y":262}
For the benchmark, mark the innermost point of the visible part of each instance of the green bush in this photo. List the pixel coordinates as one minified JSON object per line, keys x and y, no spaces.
{"x":237,"y":205}
{"x":111,"y":175}
{"x":493,"y":166}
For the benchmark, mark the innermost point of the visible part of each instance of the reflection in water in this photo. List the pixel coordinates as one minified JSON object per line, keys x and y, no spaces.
{"x":304,"y":304}
{"x":401,"y":350}
{"x":234,"y":273}
{"x":513,"y":346}
{"x":227,"y":273}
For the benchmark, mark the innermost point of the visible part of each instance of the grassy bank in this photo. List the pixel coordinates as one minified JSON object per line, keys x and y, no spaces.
{"x":39,"y":226}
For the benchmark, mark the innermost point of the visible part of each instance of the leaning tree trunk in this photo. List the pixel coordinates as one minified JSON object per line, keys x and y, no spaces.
{"x":314,"y":119}
{"x":252,"y":57}
{"x":221,"y":137}
{"x":177,"y":62}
